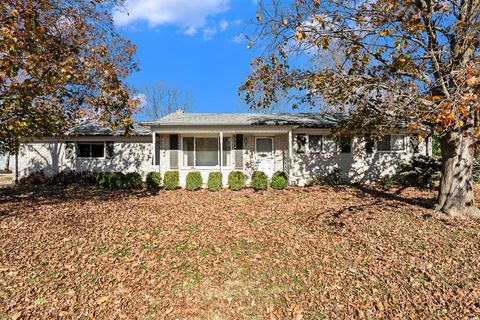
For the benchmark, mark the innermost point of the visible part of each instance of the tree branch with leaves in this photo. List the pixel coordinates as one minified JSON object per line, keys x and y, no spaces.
{"x":389,"y":63}
{"x":60,"y":61}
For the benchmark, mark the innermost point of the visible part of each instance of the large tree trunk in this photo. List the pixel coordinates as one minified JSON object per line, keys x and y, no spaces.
{"x":456,"y":196}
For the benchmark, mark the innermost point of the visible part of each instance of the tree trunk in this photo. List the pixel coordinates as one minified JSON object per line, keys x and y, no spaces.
{"x":456,"y":195}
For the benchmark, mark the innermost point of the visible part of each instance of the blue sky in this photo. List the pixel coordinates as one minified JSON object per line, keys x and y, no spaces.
{"x":196,"y":45}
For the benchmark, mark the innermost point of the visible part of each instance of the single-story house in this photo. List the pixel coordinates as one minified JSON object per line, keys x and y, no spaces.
{"x":296,"y":143}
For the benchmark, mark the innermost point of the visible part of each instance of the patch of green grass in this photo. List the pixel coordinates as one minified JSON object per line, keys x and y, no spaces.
{"x":193,"y":273}
{"x":193,"y":229}
{"x":235,"y":252}
{"x":121,"y":253}
{"x":208,"y":251}
{"x":39,"y":301}
{"x":182,"y":247}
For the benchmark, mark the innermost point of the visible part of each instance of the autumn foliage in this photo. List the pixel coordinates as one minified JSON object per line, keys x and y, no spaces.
{"x":385,"y":63}
{"x":330,"y":252}
{"x":61,"y":60}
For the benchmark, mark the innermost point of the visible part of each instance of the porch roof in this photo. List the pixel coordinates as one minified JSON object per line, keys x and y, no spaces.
{"x":301,"y":120}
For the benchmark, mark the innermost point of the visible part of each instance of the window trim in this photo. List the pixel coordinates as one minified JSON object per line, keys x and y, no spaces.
{"x":273,"y":145}
{"x":90,"y":143}
{"x":324,"y":137}
{"x":181,"y":153}
{"x":321,"y":144}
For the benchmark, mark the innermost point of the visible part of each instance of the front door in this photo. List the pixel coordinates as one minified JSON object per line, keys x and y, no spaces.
{"x":265,"y":159}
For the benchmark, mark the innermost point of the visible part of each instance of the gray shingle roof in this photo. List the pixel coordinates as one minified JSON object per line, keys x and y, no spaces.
{"x":304,"y":120}
{"x":93,"y":128}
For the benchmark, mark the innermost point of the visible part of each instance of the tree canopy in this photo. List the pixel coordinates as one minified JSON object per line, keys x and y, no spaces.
{"x":385,"y":62}
{"x":61,"y":60}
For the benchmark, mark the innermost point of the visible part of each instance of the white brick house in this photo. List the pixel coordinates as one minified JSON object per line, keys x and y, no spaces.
{"x":298,"y":144}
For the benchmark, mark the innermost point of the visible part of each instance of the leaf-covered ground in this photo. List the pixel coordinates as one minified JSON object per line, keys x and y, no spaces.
{"x":329,"y":252}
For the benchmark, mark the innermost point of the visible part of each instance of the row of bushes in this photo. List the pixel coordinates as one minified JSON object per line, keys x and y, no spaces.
{"x":236,"y":180}
{"x":171,"y":180}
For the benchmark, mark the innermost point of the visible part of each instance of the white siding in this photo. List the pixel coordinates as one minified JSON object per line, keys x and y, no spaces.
{"x":133,"y":155}
{"x":136,"y":154}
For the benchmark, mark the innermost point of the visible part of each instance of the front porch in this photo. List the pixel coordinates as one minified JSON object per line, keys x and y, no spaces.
{"x":222,"y":150}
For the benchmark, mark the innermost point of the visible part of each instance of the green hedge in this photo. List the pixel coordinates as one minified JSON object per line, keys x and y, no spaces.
{"x":133,"y":180}
{"x":259,"y":181}
{"x":116,"y":180}
{"x":102,"y":180}
{"x":154,"y":180}
{"x":215,"y":181}
{"x":279,"y":180}
{"x":171,"y":180}
{"x":236,"y":180}
{"x":194,"y":181}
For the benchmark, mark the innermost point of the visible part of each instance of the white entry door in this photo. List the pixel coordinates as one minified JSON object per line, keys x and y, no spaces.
{"x":264,"y":155}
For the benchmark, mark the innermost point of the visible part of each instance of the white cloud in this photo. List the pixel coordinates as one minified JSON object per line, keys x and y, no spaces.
{"x":223,"y":25}
{"x":209,"y":32}
{"x":190,"y":15}
{"x":190,"y":31}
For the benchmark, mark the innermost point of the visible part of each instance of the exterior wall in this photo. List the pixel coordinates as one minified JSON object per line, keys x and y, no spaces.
{"x":134,"y":154}
{"x":355,"y":167}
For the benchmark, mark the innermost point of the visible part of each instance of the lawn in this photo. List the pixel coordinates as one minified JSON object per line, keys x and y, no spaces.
{"x":321,"y":253}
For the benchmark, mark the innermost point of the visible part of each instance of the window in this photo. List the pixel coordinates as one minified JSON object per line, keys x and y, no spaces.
{"x":395,"y":142}
{"x":188,"y":157}
{"x":205,"y":152}
{"x":301,"y":143}
{"x":384,"y":144}
{"x":91,"y":149}
{"x":227,"y":152}
{"x":329,"y":145}
{"x":315,"y":144}
{"x":345,"y":145}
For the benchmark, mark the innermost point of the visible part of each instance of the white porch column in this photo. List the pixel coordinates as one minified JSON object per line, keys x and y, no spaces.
{"x":154,"y":144}
{"x":221,"y":150}
{"x":290,"y":156}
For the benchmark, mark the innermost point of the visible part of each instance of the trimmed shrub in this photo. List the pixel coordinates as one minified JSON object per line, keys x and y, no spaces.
{"x":388,"y":181}
{"x":420,"y":171}
{"x":171,"y":180}
{"x":476,"y":171}
{"x":215,"y":181}
{"x":279,"y":180}
{"x":116,"y":180}
{"x":236,"y":180}
{"x":35,"y":178}
{"x":102,"y":180}
{"x":259,"y":181}
{"x":62,"y":178}
{"x":133,"y":180}
{"x":194,"y":181}
{"x":154,"y":180}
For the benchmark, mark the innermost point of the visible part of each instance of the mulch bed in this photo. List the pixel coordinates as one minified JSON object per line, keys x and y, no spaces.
{"x":314,"y":253}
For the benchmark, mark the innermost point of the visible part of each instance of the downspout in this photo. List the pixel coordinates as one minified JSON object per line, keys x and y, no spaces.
{"x":154,"y":150}
{"x":16,"y":167}
{"x":290,"y":155}
{"x":221,"y":150}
